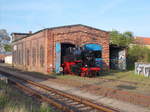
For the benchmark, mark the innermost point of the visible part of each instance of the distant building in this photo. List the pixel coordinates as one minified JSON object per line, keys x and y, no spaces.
{"x":142,"y":41}
{"x":3,"y":55}
{"x":8,"y":59}
{"x":2,"y":58}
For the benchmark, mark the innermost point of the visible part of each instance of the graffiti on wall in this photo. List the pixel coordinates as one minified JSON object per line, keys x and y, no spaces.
{"x":142,"y":69}
{"x":118,"y":60}
{"x":122,"y":60}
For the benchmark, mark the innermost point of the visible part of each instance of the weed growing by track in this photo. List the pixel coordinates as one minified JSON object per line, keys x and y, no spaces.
{"x":13,"y":100}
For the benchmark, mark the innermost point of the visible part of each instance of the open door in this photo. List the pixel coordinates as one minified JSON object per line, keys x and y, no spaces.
{"x":58,"y":57}
{"x":96,"y":49}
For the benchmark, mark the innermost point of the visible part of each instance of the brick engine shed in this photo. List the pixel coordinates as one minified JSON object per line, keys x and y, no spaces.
{"x":42,"y":51}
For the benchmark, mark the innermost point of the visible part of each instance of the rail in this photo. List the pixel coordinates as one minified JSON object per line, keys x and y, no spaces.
{"x":20,"y":82}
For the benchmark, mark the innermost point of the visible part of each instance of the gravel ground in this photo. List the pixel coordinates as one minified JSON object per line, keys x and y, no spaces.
{"x":101,"y":90}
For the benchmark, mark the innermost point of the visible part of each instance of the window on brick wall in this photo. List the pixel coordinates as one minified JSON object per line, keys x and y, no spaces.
{"x":42,"y":56}
{"x":28,"y":56}
{"x":19,"y":56}
{"x":33,"y":56}
{"x":14,"y":57}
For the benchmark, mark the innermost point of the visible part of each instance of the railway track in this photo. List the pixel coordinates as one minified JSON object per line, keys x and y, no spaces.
{"x":61,"y":100}
{"x":102,"y":78}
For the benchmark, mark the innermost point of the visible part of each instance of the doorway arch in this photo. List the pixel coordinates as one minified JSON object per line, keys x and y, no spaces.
{"x":96,"y":50}
{"x":60,"y":53}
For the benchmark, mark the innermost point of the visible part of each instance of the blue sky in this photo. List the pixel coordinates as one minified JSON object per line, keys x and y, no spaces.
{"x":122,"y":15}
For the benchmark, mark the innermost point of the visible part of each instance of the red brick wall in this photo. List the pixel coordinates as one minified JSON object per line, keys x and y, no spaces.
{"x":27,"y":44}
{"x":78,"y":35}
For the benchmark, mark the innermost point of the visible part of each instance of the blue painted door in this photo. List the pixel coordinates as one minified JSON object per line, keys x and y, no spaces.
{"x":58,"y":57}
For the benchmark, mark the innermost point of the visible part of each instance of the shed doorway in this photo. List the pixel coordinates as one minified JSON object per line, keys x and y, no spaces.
{"x":64,"y":47}
{"x":61,"y":50}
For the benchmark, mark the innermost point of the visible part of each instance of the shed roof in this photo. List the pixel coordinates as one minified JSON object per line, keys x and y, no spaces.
{"x":66,"y":26}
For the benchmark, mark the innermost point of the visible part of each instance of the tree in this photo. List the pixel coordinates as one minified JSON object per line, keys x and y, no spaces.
{"x":137,"y":53}
{"x":4,"y":39}
{"x":121,"y":39}
{"x":7,"y":47}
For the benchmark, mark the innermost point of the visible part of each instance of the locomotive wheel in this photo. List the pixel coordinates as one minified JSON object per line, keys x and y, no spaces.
{"x":76,"y":69}
{"x":84,"y":74}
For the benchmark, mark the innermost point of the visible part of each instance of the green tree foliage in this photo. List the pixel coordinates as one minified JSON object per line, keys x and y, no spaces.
{"x":4,"y":39}
{"x":7,"y":47}
{"x":137,"y":53}
{"x":121,"y":39}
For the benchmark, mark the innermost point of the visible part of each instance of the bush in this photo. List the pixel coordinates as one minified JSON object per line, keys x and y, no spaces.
{"x":137,"y":53}
{"x":121,"y":39}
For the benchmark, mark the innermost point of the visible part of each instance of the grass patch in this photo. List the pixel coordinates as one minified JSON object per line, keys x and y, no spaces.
{"x":126,"y":76}
{"x":13,"y":100}
{"x":113,"y":74}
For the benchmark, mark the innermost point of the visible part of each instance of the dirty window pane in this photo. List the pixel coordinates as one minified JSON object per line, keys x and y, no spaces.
{"x":28,"y":53}
{"x":42,"y":56}
{"x":33,"y":56}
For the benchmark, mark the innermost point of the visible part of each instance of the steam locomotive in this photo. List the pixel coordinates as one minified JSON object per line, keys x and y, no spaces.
{"x":81,"y":61}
